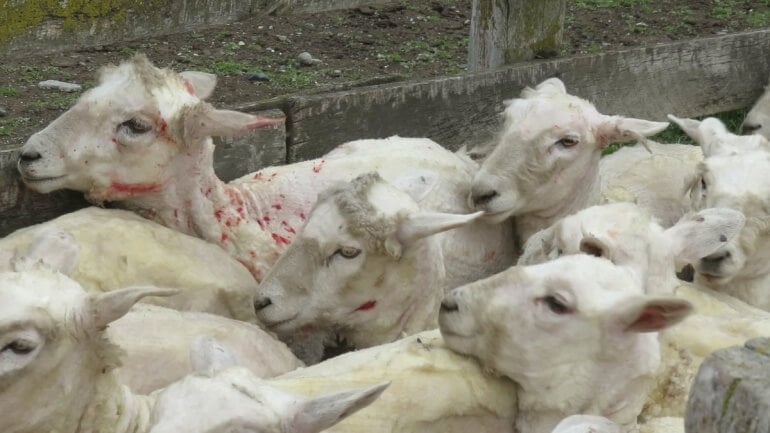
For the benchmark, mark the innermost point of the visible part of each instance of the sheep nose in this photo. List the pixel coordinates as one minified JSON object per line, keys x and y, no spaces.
{"x":29,"y":156}
{"x":482,"y":196}
{"x":750,"y":128}
{"x":716,"y":258}
{"x":262,"y":303}
{"x":449,"y":306}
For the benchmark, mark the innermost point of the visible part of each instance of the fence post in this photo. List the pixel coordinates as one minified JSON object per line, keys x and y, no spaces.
{"x":509,"y":31}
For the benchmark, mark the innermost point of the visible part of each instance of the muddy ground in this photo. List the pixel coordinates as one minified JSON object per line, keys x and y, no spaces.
{"x":356,"y":47}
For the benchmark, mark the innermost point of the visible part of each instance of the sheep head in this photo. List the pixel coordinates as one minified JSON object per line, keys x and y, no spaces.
{"x":733,"y":174}
{"x":131,"y":134}
{"x":757,"y":120}
{"x":549,"y":149}
{"x":576,"y":330}
{"x":362,"y":255}
{"x":627,"y":235}
{"x":235,"y":400}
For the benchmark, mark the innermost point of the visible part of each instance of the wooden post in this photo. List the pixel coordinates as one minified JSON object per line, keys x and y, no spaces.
{"x":509,"y":31}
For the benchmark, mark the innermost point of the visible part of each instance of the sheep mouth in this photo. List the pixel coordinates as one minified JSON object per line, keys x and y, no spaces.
{"x":29,"y":179}
{"x":279,"y":323}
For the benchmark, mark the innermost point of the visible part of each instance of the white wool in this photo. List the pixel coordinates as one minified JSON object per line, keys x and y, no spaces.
{"x":157,"y":341}
{"x":432,"y":390}
{"x":119,"y":249}
{"x":757,"y":120}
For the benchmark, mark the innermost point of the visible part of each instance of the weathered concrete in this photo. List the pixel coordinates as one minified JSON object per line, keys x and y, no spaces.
{"x":689,"y":78}
{"x":504,"y":32}
{"x":731,"y":393}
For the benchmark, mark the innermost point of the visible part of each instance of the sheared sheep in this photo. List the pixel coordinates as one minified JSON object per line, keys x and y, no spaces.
{"x":364,"y":266}
{"x":156,"y":340}
{"x":546,"y":164}
{"x":56,"y":373}
{"x":117,"y":248}
{"x":577,"y":334}
{"x":142,"y":138}
{"x":734,"y":175}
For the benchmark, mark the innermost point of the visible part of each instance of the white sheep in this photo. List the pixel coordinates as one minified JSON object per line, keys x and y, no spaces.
{"x":577,"y":334}
{"x":734,"y":175}
{"x":117,"y":248}
{"x":629,"y":237}
{"x":56,"y":371}
{"x":364,"y":266}
{"x":156,"y":340}
{"x":142,"y":137}
{"x":757,"y":120}
{"x":546,"y":164}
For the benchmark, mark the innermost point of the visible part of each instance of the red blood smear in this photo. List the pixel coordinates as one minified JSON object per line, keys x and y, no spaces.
{"x":134,"y":188}
{"x":189,"y":87}
{"x":224,"y":237}
{"x":366,"y":306}
{"x":280,"y":239}
{"x":277,"y":206}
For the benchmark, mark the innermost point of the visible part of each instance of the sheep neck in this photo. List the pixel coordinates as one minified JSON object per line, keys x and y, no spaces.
{"x":196,"y":202}
{"x":114,"y":409}
{"x":530,"y":223}
{"x":615,"y":388}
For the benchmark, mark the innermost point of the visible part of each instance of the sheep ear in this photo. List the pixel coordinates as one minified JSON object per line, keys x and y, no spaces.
{"x":200,"y":84}
{"x":592,"y":246}
{"x":618,"y":129}
{"x":646,"y":314}
{"x":317,"y":414}
{"x":204,"y":121}
{"x":56,"y":249}
{"x":209,"y":356}
{"x":707,"y":133}
{"x":538,"y":247}
{"x":424,"y":224}
{"x":697,"y":235}
{"x":110,"y":306}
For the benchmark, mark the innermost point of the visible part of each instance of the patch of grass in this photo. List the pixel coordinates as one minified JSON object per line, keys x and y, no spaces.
{"x":722,"y":12}
{"x":296,"y":78}
{"x":8,"y":126}
{"x":56,"y":101}
{"x":8,"y":91}
{"x":611,"y":3}
{"x":228,"y":68}
{"x":390,"y":57}
{"x":759,"y":19}
{"x":35,"y":74}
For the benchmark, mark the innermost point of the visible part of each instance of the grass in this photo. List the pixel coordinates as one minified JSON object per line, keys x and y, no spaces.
{"x":229,"y":68}
{"x":56,"y":101}
{"x":8,"y":126}
{"x":759,"y":19}
{"x":611,"y":3}
{"x":35,"y":74}
{"x":8,"y":91}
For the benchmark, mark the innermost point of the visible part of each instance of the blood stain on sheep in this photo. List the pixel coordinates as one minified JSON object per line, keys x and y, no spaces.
{"x":223,"y":237}
{"x":277,"y":206}
{"x":189,"y":87}
{"x":366,"y":306}
{"x":134,"y":188}
{"x":280,"y":240}
{"x":317,"y":168}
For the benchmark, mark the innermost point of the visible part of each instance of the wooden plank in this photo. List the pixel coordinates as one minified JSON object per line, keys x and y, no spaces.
{"x":504,"y":32}
{"x":20,"y":207}
{"x":689,"y":78}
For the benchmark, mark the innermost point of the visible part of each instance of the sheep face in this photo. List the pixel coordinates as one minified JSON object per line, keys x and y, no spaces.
{"x":549,"y":148}
{"x":757,"y":120}
{"x":129,"y":135}
{"x":360,"y":255}
{"x":235,"y":400}
{"x":529,"y":323}
{"x":732,"y":175}
{"x":626,"y":235}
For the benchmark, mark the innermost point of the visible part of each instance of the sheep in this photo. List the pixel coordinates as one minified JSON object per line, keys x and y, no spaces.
{"x":117,"y":248}
{"x":157,"y":340}
{"x":364,"y":265}
{"x":629,"y":237}
{"x":732,"y":175}
{"x":57,"y":373}
{"x":757,"y":120}
{"x":142,"y":138}
{"x":433,"y":389}
{"x":546,"y":164}
{"x":577,"y":335}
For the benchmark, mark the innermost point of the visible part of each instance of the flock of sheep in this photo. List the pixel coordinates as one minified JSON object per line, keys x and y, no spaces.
{"x":550,"y":272}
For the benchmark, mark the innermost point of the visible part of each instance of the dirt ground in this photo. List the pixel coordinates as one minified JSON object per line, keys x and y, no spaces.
{"x":356,"y":47}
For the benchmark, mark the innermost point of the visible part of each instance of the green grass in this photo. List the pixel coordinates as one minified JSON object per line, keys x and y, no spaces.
{"x":35,"y":74}
{"x":228,"y":68}
{"x":759,"y":19}
{"x":611,"y":3}
{"x":56,"y":101}
{"x":296,"y":77}
{"x":8,"y":126}
{"x":8,"y":91}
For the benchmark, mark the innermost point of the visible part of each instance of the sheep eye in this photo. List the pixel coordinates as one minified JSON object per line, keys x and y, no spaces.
{"x":703,"y":183}
{"x":348,"y":252}
{"x":555,"y":305}
{"x":567,"y":142}
{"x":135,"y":126}
{"x":19,"y":347}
